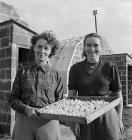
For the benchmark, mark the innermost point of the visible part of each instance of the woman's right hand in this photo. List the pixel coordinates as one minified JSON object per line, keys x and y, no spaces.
{"x":32,"y":112}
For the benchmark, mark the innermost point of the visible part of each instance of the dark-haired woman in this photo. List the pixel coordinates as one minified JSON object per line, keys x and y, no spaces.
{"x":34,"y":87}
{"x":92,"y":77}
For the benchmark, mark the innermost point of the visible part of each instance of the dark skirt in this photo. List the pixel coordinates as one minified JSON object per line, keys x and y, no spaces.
{"x":105,"y":127}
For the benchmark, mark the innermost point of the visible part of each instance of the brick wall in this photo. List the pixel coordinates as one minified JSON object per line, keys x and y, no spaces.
{"x":129,"y":84}
{"x":14,"y":48}
{"x":120,"y":61}
{"x":5,"y":77}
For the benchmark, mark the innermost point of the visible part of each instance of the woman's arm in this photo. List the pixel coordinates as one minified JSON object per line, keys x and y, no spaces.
{"x":15,"y":96}
{"x":119,"y":108}
{"x":115,"y":88}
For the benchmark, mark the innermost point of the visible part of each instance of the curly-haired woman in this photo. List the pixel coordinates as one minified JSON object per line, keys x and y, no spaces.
{"x":34,"y":87}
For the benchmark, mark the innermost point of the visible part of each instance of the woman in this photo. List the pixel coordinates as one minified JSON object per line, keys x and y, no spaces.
{"x":92,"y":77}
{"x":36,"y":86}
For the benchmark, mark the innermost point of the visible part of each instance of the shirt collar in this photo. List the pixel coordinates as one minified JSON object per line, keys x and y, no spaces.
{"x":45,"y":67}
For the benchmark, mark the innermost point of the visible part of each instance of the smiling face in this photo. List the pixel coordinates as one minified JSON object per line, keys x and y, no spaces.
{"x":42,"y":51}
{"x":92,"y":49}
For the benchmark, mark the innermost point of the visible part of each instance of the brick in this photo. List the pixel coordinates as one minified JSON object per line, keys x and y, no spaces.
{"x":2,"y":96}
{"x":6,"y":96}
{"x":124,"y":92}
{"x":8,"y":74}
{"x":4,"y":32}
{"x":123,"y":72}
{"x":7,"y":108}
{"x":2,"y":53}
{"x":5,"y":85}
{"x":2,"y":74}
{"x":5,"y":63}
{"x":0,"y":42}
{"x":119,"y":63}
{"x":5,"y":43}
{"x":130,"y":100}
{"x":122,"y":67}
{"x":124,"y":87}
{"x":129,"y":86}
{"x":8,"y":52}
{"x":107,"y":59}
{"x":122,"y":77}
{"x":117,"y":58}
{"x":5,"y":118}
{"x":4,"y":128}
{"x":1,"y":106}
{"x":123,"y":82}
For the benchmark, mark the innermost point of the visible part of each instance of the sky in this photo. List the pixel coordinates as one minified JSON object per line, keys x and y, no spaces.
{"x":72,"y":18}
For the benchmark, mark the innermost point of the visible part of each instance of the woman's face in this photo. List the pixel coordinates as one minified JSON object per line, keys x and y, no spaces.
{"x":42,"y":51}
{"x":92,"y":49}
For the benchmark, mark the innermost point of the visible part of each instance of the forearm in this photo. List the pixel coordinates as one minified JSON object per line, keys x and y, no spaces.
{"x":17,"y":105}
{"x":119,"y":108}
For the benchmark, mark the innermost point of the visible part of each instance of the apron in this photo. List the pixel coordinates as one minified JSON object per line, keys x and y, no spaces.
{"x":34,"y":129}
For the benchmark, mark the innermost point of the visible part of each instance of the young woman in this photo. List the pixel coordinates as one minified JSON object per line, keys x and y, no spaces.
{"x":36,"y":86}
{"x":92,"y":77}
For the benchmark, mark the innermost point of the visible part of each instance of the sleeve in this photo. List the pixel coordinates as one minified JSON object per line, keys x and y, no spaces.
{"x":72,"y":83}
{"x":15,"y":96}
{"x":115,"y":84}
{"x":59,"y":92}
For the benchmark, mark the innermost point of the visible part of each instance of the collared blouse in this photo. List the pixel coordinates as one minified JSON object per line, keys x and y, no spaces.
{"x":36,"y":87}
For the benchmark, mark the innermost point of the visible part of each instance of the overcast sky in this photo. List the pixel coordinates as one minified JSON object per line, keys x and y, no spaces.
{"x":68,"y":18}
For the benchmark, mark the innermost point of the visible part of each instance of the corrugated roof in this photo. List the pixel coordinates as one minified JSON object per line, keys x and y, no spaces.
{"x":75,"y":40}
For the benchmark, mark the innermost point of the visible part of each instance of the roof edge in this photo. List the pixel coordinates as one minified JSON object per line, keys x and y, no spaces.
{"x":119,"y":54}
{"x":17,"y":23}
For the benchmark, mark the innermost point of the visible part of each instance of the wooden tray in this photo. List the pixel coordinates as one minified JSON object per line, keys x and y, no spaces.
{"x":90,"y":116}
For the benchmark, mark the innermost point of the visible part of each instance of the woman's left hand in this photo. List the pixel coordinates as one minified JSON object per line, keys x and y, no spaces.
{"x":121,"y":126}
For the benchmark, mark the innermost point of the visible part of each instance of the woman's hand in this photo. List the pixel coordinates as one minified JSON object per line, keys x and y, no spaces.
{"x":32,"y":112}
{"x":121,"y":125}
{"x":75,"y":128}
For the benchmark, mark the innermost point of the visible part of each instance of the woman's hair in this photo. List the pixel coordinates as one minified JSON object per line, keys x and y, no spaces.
{"x":49,"y":37}
{"x":87,"y":36}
